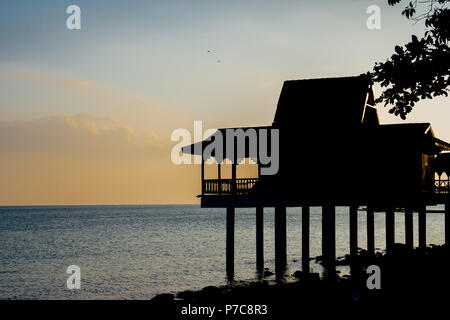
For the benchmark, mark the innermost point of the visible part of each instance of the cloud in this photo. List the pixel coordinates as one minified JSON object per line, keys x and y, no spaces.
{"x":84,"y":133}
{"x":77,"y":85}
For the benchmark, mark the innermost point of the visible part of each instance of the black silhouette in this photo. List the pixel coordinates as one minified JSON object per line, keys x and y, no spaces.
{"x":420,"y":69}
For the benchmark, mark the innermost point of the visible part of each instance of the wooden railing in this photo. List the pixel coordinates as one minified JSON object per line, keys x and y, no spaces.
{"x":226,"y":187}
{"x":442,"y":186}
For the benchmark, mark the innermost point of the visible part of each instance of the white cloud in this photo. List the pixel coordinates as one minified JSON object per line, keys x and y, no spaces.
{"x":80,"y":134}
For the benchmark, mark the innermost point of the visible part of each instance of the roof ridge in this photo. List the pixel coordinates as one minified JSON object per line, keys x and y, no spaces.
{"x":327,"y":78}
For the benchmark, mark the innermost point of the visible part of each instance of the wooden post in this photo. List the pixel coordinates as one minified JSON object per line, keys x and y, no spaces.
{"x":233,"y":178}
{"x":329,"y":238}
{"x":305,"y":239}
{"x":219,"y":178}
{"x":390,"y":229}
{"x":259,"y":171}
{"x":230,"y":243}
{"x":439,"y":183}
{"x":409,"y":228}
{"x":260,"y":239}
{"x":370,"y":230}
{"x":422,"y":227}
{"x":447,"y":224}
{"x":203,"y":176}
{"x":353,"y":230}
{"x":280,"y":241}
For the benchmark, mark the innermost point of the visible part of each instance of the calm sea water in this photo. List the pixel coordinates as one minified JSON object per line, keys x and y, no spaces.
{"x":136,"y":252}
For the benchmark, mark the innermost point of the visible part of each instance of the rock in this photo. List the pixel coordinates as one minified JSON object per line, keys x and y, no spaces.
{"x":164,"y":298}
{"x":298,"y":274}
{"x":268,"y":273}
{"x":211,"y":291}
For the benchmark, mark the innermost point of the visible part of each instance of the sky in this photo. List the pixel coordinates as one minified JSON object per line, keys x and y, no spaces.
{"x":86,"y":115}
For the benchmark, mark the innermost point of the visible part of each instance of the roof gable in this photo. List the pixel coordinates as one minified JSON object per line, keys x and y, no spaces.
{"x":331,"y":103}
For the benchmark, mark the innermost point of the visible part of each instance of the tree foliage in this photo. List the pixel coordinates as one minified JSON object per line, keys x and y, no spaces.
{"x":421,"y":68}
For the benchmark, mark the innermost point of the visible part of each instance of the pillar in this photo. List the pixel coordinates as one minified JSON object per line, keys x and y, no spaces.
{"x":230,"y":243}
{"x":329,"y":238}
{"x":233,"y":178}
{"x":260,"y":239}
{"x":305,"y":239}
{"x":422,"y":227}
{"x":280,"y":240}
{"x":370,"y":230}
{"x":353,"y":230}
{"x":390,"y":229}
{"x":203,"y":176}
{"x":447,"y":224}
{"x":219,"y":178}
{"x":409,"y":228}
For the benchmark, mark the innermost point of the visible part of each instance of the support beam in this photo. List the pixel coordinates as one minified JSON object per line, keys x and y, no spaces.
{"x":230,"y":243}
{"x":353,"y":230}
{"x":203,"y":176}
{"x":409,"y":229}
{"x":280,"y":241}
{"x":447,"y":224}
{"x":370,"y":230}
{"x":260,"y":239}
{"x":390,"y":230}
{"x":329,"y":238}
{"x":233,"y":178}
{"x":305,"y":239}
{"x":219,"y":178}
{"x":422,"y":227}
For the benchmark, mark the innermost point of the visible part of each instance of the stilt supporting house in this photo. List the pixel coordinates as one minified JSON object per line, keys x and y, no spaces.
{"x":230,"y":243}
{"x":390,"y":229}
{"x":280,"y":240}
{"x":260,"y":239}
{"x":422,"y":227}
{"x":305,"y":239}
{"x":315,"y":171}
{"x":329,"y":238}
{"x":353,"y":230}
{"x":447,"y":224}
{"x":370,"y":230}
{"x":409,"y":235}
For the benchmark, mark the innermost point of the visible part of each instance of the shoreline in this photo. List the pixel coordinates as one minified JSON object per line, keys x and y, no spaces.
{"x":406,"y":277}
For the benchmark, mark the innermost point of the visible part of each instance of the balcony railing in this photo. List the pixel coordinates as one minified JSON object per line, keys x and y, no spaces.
{"x":226,"y":187}
{"x":442,"y":186}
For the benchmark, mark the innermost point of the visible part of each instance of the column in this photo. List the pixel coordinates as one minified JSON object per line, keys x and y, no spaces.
{"x":203,"y":176}
{"x":409,"y":228}
{"x":219,"y":178}
{"x":280,"y":241}
{"x":230,"y":243}
{"x":390,"y":229}
{"x":305,"y":239}
{"x":447,"y":224}
{"x":329,"y":238}
{"x":370,"y":230}
{"x":353,"y":230}
{"x":422,"y":227}
{"x":260,"y":239}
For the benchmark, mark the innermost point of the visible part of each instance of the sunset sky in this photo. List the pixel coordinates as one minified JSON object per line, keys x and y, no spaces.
{"x":86,"y":115}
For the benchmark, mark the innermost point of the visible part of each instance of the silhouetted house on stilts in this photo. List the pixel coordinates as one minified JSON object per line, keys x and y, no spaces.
{"x":333,"y":151}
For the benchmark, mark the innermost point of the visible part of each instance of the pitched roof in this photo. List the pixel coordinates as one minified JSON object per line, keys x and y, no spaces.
{"x":326,"y":103}
{"x":419,"y":136}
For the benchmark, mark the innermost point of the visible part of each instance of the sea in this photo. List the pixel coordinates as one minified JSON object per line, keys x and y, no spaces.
{"x":139,"y":251}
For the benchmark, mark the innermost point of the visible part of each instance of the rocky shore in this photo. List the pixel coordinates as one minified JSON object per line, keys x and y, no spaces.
{"x":409,"y":279}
